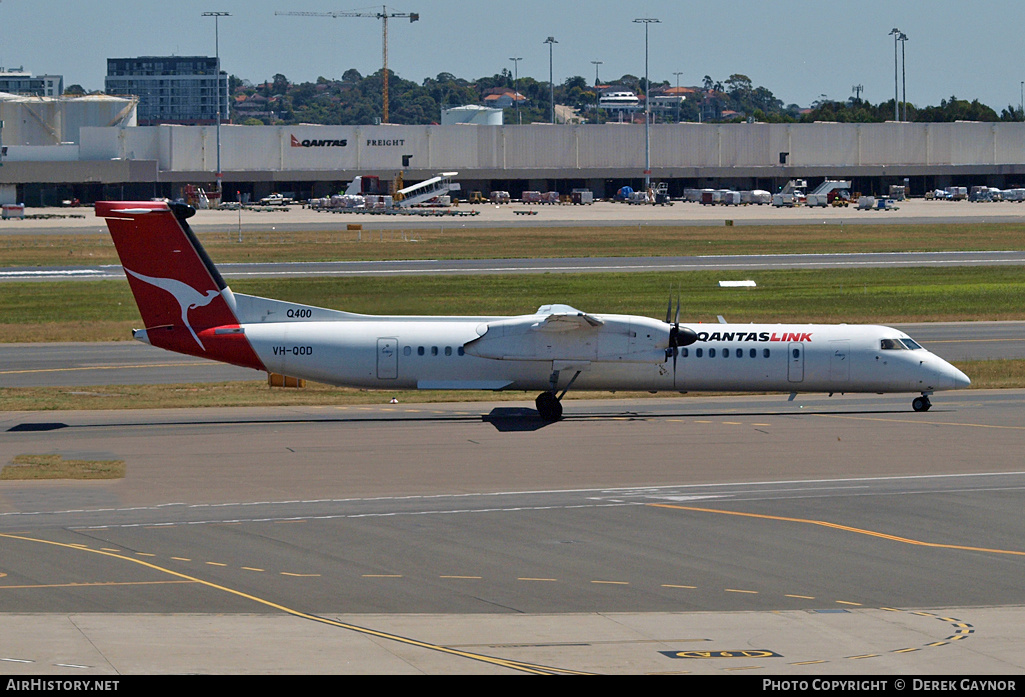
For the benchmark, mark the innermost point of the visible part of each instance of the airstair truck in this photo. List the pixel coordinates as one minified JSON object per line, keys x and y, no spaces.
{"x":824,"y":193}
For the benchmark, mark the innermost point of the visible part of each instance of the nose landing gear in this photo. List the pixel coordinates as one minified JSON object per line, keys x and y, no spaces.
{"x":921,"y":403}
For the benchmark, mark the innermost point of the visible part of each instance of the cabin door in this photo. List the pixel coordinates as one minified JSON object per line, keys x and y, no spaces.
{"x":387,"y":359}
{"x":840,"y":362}
{"x":795,"y":365}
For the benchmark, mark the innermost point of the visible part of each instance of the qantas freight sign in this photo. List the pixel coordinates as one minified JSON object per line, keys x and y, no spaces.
{"x":187,"y":307}
{"x":296,"y":143}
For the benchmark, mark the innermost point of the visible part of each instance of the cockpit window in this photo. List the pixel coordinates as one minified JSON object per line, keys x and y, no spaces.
{"x":891,"y":344}
{"x":911,"y":344}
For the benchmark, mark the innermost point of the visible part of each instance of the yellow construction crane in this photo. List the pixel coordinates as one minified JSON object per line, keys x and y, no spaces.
{"x":383,"y":15}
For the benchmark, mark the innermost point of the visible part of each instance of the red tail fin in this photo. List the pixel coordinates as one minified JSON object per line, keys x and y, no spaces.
{"x":184,"y":302}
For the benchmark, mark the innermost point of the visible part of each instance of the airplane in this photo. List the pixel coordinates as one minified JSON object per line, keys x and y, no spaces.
{"x":187,"y":307}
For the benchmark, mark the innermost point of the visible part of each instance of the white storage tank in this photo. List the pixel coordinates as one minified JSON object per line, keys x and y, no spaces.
{"x":471,"y":114}
{"x":56,"y":120}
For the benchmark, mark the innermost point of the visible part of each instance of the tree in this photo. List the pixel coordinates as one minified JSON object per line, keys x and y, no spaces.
{"x":1011,"y":113}
{"x":356,"y":99}
{"x":575,"y":81}
{"x":277,"y":85}
{"x":738,"y":86}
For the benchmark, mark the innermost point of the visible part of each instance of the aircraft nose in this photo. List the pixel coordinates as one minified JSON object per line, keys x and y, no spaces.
{"x":959,"y":379}
{"x":940,"y":375}
{"x":950,"y":377}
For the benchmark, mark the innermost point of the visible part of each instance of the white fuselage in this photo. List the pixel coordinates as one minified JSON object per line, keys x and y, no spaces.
{"x":623,"y":353}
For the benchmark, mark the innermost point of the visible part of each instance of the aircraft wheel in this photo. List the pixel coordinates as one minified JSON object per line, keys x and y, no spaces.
{"x":548,"y":406}
{"x":921,"y":403}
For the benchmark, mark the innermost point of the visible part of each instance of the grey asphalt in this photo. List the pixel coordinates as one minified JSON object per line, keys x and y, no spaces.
{"x":825,"y":536}
{"x":741,"y":262}
{"x":600,"y":214}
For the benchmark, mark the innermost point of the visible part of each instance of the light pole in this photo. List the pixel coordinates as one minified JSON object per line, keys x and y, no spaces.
{"x":903,"y":74}
{"x":551,"y":83}
{"x":895,"y":33}
{"x":678,"y":97}
{"x":217,"y":51}
{"x":516,"y":90}
{"x":596,"y":64}
{"x":647,"y":102}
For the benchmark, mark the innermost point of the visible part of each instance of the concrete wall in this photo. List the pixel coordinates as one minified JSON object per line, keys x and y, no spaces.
{"x":598,"y":149}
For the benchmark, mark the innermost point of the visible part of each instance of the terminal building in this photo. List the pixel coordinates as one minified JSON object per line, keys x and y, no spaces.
{"x":125,"y":161}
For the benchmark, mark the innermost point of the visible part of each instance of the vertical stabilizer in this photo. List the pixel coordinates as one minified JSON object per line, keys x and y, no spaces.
{"x":185,"y":304}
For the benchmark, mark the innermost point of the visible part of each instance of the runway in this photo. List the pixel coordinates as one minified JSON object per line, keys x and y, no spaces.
{"x":701,"y":535}
{"x":460,"y":267}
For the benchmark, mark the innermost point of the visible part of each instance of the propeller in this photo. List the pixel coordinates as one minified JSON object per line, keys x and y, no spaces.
{"x":678,"y":336}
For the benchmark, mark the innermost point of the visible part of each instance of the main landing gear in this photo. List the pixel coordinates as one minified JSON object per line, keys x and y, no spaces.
{"x":921,"y":403}
{"x":549,"y":404}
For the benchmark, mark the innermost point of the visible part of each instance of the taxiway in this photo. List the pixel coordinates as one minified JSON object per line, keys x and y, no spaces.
{"x":825,"y":535}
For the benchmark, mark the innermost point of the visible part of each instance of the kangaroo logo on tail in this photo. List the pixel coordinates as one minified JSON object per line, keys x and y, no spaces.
{"x":188,"y":297}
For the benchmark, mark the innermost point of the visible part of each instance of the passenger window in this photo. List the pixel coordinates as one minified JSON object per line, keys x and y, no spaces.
{"x":685,"y":352}
{"x":725,"y":353}
{"x":448,"y":350}
{"x":754,"y":353}
{"x":419,"y":350}
{"x":460,"y":351}
{"x":711,"y":353}
{"x":434,"y":350}
{"x":407,"y":350}
{"x":765,"y":353}
{"x":797,"y":353}
{"x":698,"y":353}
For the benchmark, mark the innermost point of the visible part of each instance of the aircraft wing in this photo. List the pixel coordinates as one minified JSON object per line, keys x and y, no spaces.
{"x":564,"y":318}
{"x":565,"y":322}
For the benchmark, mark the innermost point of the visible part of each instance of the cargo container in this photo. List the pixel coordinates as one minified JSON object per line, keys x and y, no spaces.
{"x":582,"y":197}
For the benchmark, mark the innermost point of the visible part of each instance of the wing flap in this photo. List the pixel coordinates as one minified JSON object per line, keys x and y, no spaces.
{"x":567,"y":322}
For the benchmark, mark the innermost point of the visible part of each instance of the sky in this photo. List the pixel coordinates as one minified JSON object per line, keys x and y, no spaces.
{"x":801,"y":50}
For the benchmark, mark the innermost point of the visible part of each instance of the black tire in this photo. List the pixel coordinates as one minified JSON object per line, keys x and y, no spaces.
{"x":548,"y":406}
{"x":921,"y":403}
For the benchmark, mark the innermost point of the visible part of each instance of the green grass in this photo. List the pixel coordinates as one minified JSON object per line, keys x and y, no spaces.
{"x":56,"y":467}
{"x":105,"y":310}
{"x":531,"y":242}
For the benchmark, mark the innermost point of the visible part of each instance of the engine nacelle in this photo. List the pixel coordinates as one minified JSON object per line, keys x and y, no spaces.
{"x":569,"y":337}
